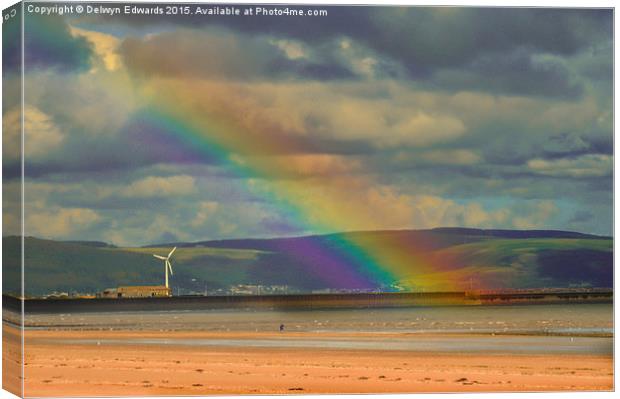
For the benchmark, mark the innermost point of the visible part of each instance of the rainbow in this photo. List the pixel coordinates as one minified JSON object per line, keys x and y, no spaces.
{"x":348,"y":260}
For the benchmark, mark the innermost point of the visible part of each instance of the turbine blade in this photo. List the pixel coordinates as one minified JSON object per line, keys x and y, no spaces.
{"x":170,"y":267}
{"x":170,"y":254}
{"x":159,"y":257}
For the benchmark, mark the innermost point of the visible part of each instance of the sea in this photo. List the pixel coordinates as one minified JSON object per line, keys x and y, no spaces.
{"x":516,"y":329}
{"x":556,"y":319}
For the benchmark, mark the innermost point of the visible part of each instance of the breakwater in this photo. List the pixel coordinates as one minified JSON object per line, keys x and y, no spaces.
{"x":305,"y":301}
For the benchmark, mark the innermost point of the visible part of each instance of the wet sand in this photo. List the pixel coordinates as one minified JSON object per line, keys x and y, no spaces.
{"x":97,"y":363}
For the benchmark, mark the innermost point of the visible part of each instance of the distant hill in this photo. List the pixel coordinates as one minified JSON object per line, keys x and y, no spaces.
{"x":97,"y":244}
{"x":443,"y":236}
{"x":482,"y":258}
{"x":498,"y":233}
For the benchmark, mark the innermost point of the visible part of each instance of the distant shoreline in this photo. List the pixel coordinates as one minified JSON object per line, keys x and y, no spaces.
{"x":307,"y":301}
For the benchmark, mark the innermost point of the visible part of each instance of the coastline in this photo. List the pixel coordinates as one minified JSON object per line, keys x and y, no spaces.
{"x":311,"y":301}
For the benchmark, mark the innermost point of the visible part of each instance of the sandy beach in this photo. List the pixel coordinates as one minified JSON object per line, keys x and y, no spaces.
{"x":91,"y":363}
{"x":11,"y":359}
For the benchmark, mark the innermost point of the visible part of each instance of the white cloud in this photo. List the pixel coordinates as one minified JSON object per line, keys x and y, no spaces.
{"x":293,"y":49}
{"x":206,"y":210}
{"x":354,"y":203}
{"x":335,"y":111}
{"x":160,"y":187}
{"x":382,"y":123}
{"x":59,"y":223}
{"x":474,"y":215}
{"x":364,"y":61}
{"x":440,"y":157}
{"x":536,"y":215}
{"x":96,"y":104}
{"x":105,"y":47}
{"x":423,"y":129}
{"x":304,"y":165}
{"x":226,"y":228}
{"x":590,"y":165}
{"x":41,"y":135}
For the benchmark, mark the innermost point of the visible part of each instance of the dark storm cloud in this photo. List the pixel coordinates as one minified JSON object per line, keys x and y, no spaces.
{"x":191,"y":53}
{"x":143,"y":144}
{"x":572,"y":144}
{"x":602,"y":185}
{"x":11,"y":43}
{"x":309,"y":70}
{"x":581,"y":217}
{"x":490,"y":49}
{"x":220,"y":54}
{"x":516,"y":73}
{"x":565,"y":143}
{"x":48,"y":44}
{"x":602,"y":143}
{"x":426,"y":36}
{"x":11,"y":171}
{"x":111,"y":202}
{"x":596,"y":62}
{"x":507,"y":149}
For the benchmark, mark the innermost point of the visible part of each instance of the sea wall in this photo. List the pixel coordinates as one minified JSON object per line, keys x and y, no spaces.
{"x":310,"y":302}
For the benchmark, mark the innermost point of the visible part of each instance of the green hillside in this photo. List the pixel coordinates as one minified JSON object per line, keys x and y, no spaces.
{"x":490,"y":261}
{"x":536,"y":262}
{"x":69,"y":267}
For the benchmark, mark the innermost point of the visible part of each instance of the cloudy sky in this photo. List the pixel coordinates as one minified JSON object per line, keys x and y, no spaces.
{"x":155,"y":129}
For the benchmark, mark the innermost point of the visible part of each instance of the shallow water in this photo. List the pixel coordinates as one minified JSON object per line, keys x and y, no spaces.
{"x":460,"y":344}
{"x":569,"y":319}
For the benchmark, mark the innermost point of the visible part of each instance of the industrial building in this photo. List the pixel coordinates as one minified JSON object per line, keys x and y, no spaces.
{"x":136,"y":291}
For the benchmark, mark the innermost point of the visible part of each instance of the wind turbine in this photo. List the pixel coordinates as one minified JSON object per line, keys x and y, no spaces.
{"x":167,"y":264}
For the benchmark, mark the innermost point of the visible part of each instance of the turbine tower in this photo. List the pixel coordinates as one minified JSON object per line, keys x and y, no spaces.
{"x":167,"y":264}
